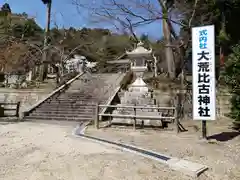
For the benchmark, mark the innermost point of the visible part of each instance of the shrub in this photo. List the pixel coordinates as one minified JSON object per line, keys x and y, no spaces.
{"x":231,"y":77}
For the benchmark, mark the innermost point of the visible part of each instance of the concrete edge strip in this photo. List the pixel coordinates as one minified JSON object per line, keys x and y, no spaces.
{"x":184,"y":166}
{"x":51,"y":94}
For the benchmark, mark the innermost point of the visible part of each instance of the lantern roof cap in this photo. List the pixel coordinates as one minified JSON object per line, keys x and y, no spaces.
{"x":139,"y":50}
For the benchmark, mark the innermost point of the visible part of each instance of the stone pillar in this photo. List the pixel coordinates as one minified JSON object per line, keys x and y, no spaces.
{"x":29,"y":77}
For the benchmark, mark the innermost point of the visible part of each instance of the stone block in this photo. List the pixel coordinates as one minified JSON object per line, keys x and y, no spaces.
{"x":186,"y":167}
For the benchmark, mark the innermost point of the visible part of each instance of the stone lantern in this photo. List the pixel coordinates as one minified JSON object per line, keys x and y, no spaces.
{"x":139,"y":57}
{"x":138,"y":93}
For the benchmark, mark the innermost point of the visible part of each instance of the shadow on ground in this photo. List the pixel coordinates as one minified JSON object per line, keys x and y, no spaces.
{"x":224,"y":136}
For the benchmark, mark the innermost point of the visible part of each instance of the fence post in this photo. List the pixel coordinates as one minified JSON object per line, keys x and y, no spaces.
{"x":204,"y":129}
{"x":134,"y":118}
{"x":96,"y":123}
{"x":177,"y":112}
{"x":17,"y":109}
{"x":176,"y":119}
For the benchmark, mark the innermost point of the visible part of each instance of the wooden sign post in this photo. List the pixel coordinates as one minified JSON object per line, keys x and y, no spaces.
{"x":203,"y":75}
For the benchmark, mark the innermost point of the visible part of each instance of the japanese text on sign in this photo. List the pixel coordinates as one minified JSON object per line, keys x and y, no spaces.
{"x":203,"y":73}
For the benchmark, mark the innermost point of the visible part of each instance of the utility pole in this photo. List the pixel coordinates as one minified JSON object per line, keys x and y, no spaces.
{"x":44,"y":66}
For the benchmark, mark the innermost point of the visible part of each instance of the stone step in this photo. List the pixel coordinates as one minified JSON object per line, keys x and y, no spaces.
{"x":75,"y":100}
{"x":72,"y":101}
{"x":91,"y":114}
{"x":89,"y":94}
{"x":57,"y":111}
{"x":68,"y":106}
{"x":82,"y":90}
{"x":74,"y":93}
{"x":79,"y":97}
{"x":79,"y":103}
{"x":57,"y":118}
{"x":65,"y":111}
{"x":87,"y":115}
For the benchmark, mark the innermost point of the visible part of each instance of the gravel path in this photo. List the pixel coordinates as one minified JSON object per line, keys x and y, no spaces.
{"x":222,"y":156}
{"x":39,"y":151}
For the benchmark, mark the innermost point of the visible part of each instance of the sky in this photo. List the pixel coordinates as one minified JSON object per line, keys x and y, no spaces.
{"x":64,"y":14}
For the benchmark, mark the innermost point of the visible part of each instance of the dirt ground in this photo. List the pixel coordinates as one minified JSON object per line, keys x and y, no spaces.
{"x":221,"y":153}
{"x":40,"y":151}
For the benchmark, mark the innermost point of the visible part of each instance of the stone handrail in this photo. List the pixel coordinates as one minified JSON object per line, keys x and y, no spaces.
{"x":110,"y":99}
{"x":51,"y":94}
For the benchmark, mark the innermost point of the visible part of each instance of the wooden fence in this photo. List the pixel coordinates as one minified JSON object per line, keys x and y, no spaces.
{"x":4,"y":107}
{"x":162,"y":117}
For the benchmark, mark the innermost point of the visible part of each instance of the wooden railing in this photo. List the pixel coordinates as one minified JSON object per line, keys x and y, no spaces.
{"x":161,"y":117}
{"x":4,"y":108}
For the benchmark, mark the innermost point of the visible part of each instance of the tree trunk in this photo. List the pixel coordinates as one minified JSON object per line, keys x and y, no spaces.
{"x":155,"y":66}
{"x":223,"y":29}
{"x":168,"y":50}
{"x":44,"y":66}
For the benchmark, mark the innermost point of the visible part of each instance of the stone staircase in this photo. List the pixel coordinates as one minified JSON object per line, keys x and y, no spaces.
{"x":78,"y":102}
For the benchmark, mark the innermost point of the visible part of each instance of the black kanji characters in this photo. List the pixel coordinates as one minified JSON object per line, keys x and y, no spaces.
{"x":203,"y":100}
{"x":204,"y":111}
{"x":203,"y":55}
{"x":203,"y":88}
{"x":203,"y":78}
{"x":203,"y":67}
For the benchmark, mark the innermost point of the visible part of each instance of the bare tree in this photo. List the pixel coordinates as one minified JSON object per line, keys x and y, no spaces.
{"x":59,"y":56}
{"x":127,"y":15}
{"x":18,"y":57}
{"x":123,"y":15}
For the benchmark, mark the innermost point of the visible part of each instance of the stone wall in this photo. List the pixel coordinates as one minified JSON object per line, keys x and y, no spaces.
{"x":164,"y":94}
{"x":27,"y":97}
{"x":223,"y":102}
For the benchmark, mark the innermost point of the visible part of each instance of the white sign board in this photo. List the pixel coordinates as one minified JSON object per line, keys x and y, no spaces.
{"x":203,"y":73}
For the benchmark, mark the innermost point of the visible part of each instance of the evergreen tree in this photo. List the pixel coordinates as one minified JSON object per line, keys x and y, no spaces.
{"x":231,"y":76}
{"x":47,"y":1}
{"x":6,"y":8}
